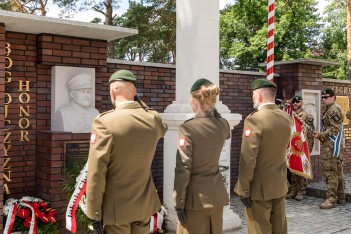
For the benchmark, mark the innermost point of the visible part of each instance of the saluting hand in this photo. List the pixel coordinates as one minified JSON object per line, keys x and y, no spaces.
{"x":246,"y":201}
{"x":181,"y":215}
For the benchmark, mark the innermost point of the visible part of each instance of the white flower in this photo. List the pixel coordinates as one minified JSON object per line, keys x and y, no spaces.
{"x":8,"y":204}
{"x":30,"y":199}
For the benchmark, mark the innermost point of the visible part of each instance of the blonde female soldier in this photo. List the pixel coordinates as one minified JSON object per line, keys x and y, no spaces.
{"x":199,"y":192}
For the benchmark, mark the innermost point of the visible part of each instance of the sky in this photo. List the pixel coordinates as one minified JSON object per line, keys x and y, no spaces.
{"x":87,"y":16}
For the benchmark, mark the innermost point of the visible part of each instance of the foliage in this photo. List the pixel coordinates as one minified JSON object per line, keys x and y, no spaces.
{"x":243,"y":36}
{"x":155,"y":42}
{"x":5,"y":5}
{"x":69,"y":183}
{"x":45,"y":216}
{"x":334,"y":39}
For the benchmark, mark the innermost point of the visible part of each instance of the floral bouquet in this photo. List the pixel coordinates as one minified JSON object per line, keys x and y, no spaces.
{"x":157,"y":221}
{"x":29,"y":214}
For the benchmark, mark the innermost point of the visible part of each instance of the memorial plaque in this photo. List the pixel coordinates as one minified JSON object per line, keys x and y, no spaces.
{"x":343,"y":102}
{"x":75,"y":151}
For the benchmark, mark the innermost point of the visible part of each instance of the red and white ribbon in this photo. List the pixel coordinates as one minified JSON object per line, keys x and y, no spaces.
{"x":270,"y":41}
{"x":10,"y":219}
{"x":12,"y":215}
{"x":76,"y":198}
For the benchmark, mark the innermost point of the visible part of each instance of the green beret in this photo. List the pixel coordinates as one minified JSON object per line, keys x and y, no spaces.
{"x":329,"y":91}
{"x":296,"y":98}
{"x":200,"y":82}
{"x":262,"y":83}
{"x":123,"y":75}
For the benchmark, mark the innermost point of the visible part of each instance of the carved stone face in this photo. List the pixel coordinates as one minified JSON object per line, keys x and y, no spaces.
{"x":81,"y":96}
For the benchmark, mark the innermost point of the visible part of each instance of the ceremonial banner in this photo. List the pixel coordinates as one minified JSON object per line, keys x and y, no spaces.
{"x":298,"y":158}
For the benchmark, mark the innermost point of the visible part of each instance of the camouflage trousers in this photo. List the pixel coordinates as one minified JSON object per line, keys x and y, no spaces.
{"x":298,"y":184}
{"x":334,"y":177}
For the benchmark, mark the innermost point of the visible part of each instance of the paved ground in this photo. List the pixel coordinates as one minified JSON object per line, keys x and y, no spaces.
{"x":306,"y":217}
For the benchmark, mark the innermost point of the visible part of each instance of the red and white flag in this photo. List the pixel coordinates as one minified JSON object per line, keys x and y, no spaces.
{"x":298,"y":158}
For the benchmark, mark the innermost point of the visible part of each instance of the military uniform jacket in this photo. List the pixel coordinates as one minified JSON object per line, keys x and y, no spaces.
{"x":198,"y":183}
{"x":120,"y":187}
{"x":262,"y":168}
{"x":332,"y":122}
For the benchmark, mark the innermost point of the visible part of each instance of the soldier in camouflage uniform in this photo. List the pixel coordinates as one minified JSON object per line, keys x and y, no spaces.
{"x":332,"y":121}
{"x":298,"y":185}
{"x":348,"y":114}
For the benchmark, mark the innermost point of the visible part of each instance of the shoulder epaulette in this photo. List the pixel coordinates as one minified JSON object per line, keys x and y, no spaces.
{"x":252,"y":113}
{"x":188,"y":120}
{"x":104,"y":113}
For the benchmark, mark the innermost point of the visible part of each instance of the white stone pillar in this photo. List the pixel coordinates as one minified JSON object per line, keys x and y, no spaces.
{"x":197,"y":57}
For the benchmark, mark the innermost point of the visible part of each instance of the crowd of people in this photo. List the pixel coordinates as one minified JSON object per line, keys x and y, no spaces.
{"x":121,"y":195}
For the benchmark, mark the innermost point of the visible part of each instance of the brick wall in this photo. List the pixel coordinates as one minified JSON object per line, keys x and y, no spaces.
{"x":2,"y":116}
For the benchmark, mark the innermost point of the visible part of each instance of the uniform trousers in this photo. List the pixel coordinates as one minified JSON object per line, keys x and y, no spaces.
{"x":206,"y":221}
{"x":137,"y":227}
{"x":266,"y":217}
{"x":334,"y":177}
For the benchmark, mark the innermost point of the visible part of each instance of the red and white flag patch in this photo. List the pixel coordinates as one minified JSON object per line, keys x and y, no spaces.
{"x":92,"y":138}
{"x":182,"y":141}
{"x":247,"y":132}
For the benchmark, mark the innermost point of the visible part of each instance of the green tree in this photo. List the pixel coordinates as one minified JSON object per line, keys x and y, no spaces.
{"x":334,"y":39}
{"x":243,"y":31}
{"x":104,"y":7}
{"x":37,"y":7}
{"x":156,"y":40}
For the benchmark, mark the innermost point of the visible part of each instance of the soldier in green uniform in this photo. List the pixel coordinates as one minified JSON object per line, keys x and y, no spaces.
{"x":262,"y":181}
{"x":120,"y":190}
{"x":199,"y":192}
{"x":298,"y":184}
{"x":331,"y":139}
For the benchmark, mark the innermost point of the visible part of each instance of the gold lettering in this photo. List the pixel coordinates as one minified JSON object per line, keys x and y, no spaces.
{"x":6,"y":110}
{"x":24,"y":134}
{"x":5,"y":163}
{"x":22,"y":110}
{"x":8,"y":78}
{"x":6,"y":150}
{"x":27,"y":97}
{"x":7,"y":178}
{"x":7,"y":49}
{"x":8,"y":98}
{"x":8,"y":134}
{"x":9,"y":65}
{"x":345,"y":90}
{"x":7,"y":121}
{"x":6,"y":188}
{"x":20,"y":123}
{"x":21,"y":85}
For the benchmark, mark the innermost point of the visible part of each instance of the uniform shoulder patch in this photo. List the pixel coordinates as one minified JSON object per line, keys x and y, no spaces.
{"x":104,"y":113}
{"x":92,"y":137}
{"x":336,"y":118}
{"x":181,"y":141}
{"x":247,"y":132}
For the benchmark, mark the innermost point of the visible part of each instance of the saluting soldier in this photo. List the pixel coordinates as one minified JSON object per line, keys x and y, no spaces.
{"x":120,"y":190}
{"x":298,"y":184}
{"x":331,"y":138}
{"x":199,"y":192}
{"x":262,"y":181}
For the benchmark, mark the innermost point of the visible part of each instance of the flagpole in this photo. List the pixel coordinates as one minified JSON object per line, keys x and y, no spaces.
{"x":270,"y":41}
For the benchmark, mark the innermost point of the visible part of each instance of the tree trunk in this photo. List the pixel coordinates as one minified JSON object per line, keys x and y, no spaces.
{"x":349,"y":39}
{"x":111,"y":50}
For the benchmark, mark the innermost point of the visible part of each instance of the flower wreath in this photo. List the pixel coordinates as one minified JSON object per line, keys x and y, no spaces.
{"x":27,"y":213}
